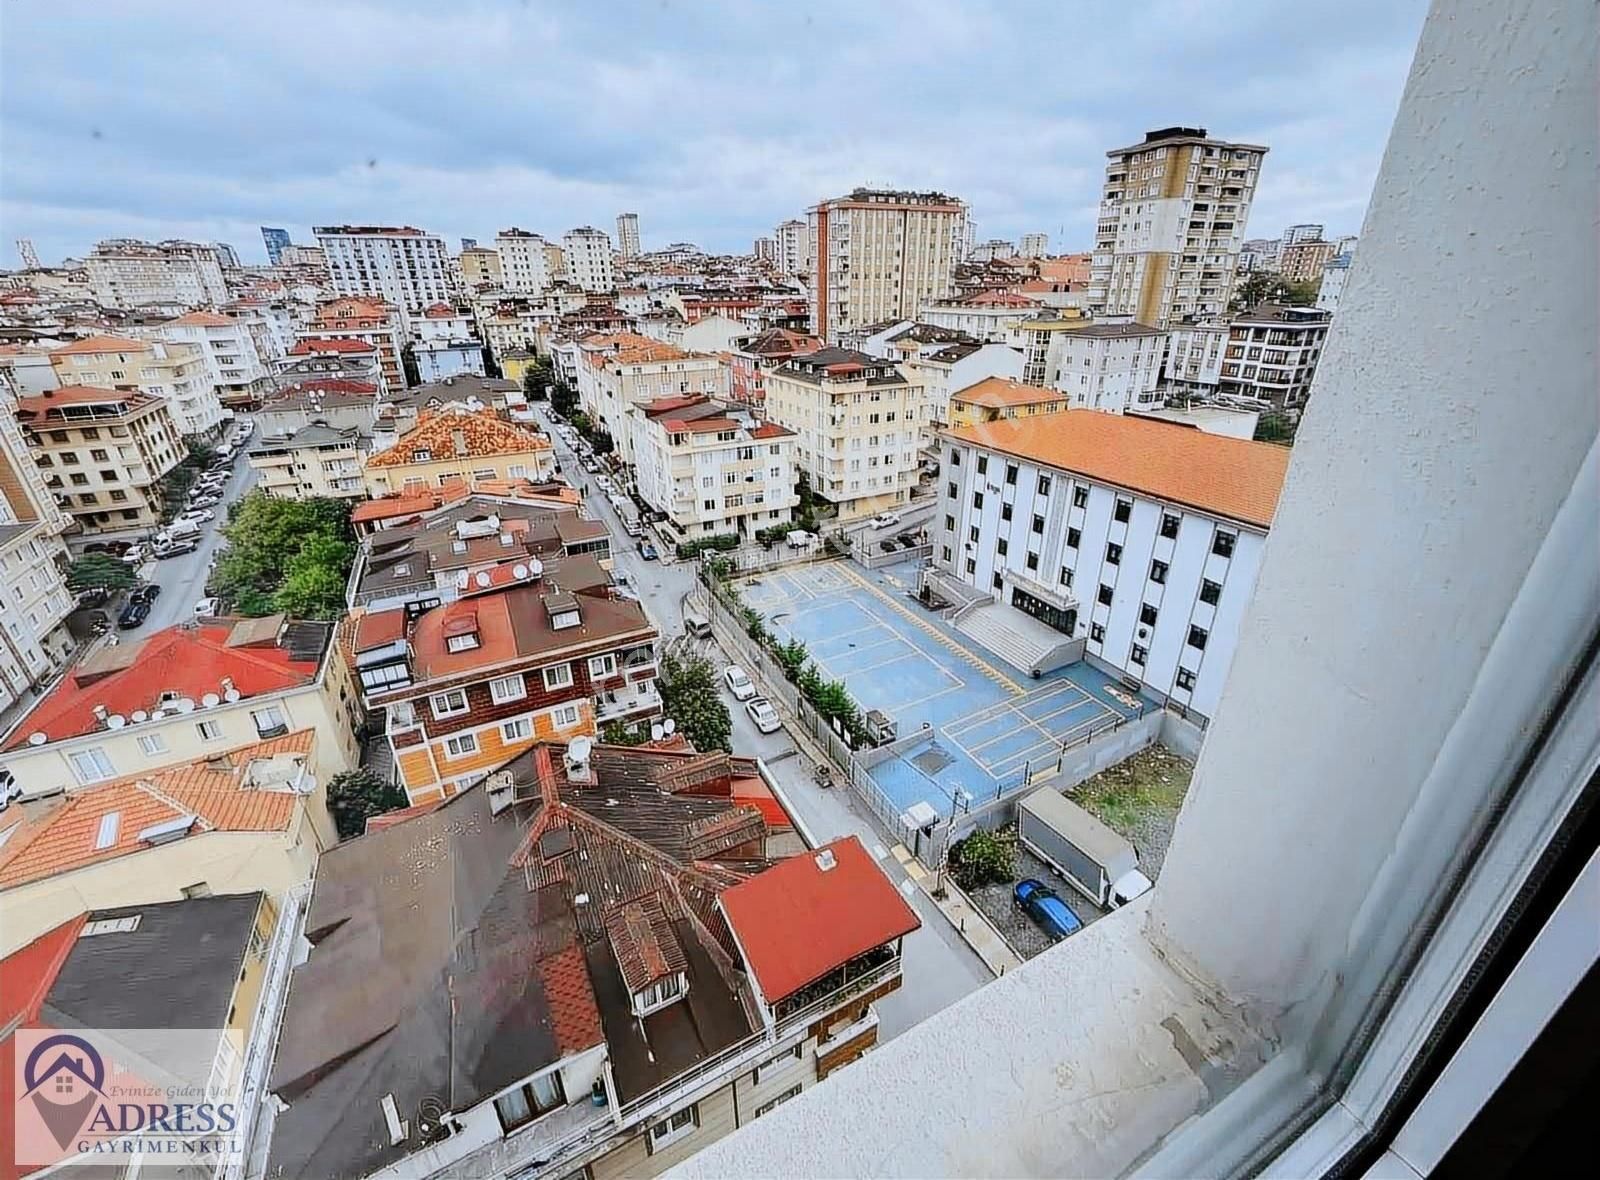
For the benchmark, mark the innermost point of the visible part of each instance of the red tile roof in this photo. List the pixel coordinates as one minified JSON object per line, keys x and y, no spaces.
{"x":26,"y":976}
{"x":573,"y":1011}
{"x":187,"y":660}
{"x":770,"y":430}
{"x":72,"y":395}
{"x":386,"y":507}
{"x":203,"y":319}
{"x":796,"y":922}
{"x":376,"y":823}
{"x":102,"y":344}
{"x":995,"y":392}
{"x":330,"y":344}
{"x":482,"y":435}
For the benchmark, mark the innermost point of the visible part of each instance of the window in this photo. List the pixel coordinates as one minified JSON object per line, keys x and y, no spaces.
{"x":1138,"y":655}
{"x":955,"y":458}
{"x":778,"y":1062}
{"x":1011,"y":474}
{"x":558,"y":676}
{"x":1066,"y":576}
{"x":1158,"y":572}
{"x":1222,"y":544}
{"x":1033,"y":560}
{"x":153,"y":743}
{"x":674,"y":1127}
{"x":997,"y":582}
{"x":1080,"y":497}
{"x":944,"y":552}
{"x":792,"y":1092}
{"x":1113,"y":553}
{"x":461,"y":642}
{"x":1005,"y":512}
{"x":1073,"y":537}
{"x":977,"y":499}
{"x":516,"y":730}
{"x":602,"y":666}
{"x":660,"y":993}
{"x":1097,"y":633}
{"x":949,"y":524}
{"x":1169,"y":526}
{"x":565,"y":717}
{"x":1104,"y":595}
{"x":527,"y":1102}
{"x":1044,"y":485}
{"x":1123,"y":510}
{"x":1185,"y":679}
{"x":972,"y":566}
{"x":1038,"y":524}
{"x":209,"y":731}
{"x":950,"y":490}
{"x":1197,"y":637}
{"x":449,"y":704}
{"x":91,"y":765}
{"x":983,"y":464}
{"x":1210,"y":591}
{"x":461,"y":745}
{"x":1001,"y":546}
{"x":270,"y":722}
{"x":201,"y":889}
{"x":507,"y":688}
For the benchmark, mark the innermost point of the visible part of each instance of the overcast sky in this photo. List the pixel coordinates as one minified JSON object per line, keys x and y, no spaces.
{"x":713,"y":120}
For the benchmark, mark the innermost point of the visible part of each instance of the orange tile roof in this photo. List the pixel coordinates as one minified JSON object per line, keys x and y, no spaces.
{"x":102,"y":344}
{"x":309,"y":346}
{"x":574,"y":1013}
{"x":61,"y":835}
{"x":385,"y":507}
{"x":203,"y":319}
{"x":482,"y":435}
{"x":1227,"y":476}
{"x":996,"y":392}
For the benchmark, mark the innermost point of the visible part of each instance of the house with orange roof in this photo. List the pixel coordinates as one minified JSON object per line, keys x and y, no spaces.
{"x":1131,"y":542}
{"x":175,"y":371}
{"x":369,"y":320}
{"x":180,"y":694}
{"x":457,"y":444}
{"x":227,"y":346}
{"x":996,"y":398}
{"x":254,"y":817}
{"x":617,"y":370}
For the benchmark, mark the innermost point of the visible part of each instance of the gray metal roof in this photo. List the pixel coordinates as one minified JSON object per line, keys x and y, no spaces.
{"x":1109,"y":850}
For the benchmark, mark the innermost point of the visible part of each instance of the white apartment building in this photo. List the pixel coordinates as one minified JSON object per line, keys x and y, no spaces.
{"x":617,"y":371}
{"x":228,"y":347}
{"x":942,"y":372}
{"x":986,"y":315}
{"x":1301,"y":233}
{"x":711,"y":467}
{"x":407,"y":267}
{"x":1193,"y":362}
{"x":793,"y":244}
{"x":34,"y":599}
{"x":271,"y":325}
{"x":1171,"y":224}
{"x":178,"y":373}
{"x":1109,"y":367}
{"x":879,"y":255}
{"x":857,"y":420}
{"x":1034,"y":245}
{"x":1140,"y":537}
{"x":315,"y":461}
{"x":1272,"y":353}
{"x":524,"y":261}
{"x":587,"y":254}
{"x":1333,"y":279}
{"x":628,"y":235}
{"x":126,"y":273}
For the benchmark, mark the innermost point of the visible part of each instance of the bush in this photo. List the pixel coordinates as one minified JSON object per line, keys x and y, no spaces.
{"x":791,"y":658}
{"x":355,"y":795}
{"x":753,"y":625}
{"x":689,"y":695}
{"x":772,"y":535}
{"x":721,"y":542}
{"x":983,"y":858}
{"x":98,"y":571}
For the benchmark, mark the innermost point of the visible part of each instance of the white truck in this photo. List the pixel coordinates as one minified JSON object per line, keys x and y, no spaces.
{"x":1081,"y":848}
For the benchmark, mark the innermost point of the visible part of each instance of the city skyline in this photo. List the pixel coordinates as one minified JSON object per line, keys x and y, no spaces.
{"x":584,"y":126}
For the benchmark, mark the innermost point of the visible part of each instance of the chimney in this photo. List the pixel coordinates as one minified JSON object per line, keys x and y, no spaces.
{"x":227,"y":685}
{"x":100,"y":713}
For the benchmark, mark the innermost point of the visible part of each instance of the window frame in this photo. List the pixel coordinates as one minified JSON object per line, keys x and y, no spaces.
{"x":461,"y":747}
{"x":446,"y":713}
{"x":518,"y":693}
{"x":656,"y":1139}
{"x":560,"y":670}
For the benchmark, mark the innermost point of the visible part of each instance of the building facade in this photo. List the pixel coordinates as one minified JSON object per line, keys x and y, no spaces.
{"x":880,"y":255}
{"x":127,"y":274}
{"x":1171,"y":223}
{"x":1034,"y":245}
{"x":276,"y":241}
{"x":1193,"y":362}
{"x":227,"y":345}
{"x":628,"y":235}
{"x":856,"y":421}
{"x":1272,"y":353}
{"x":793,"y":239}
{"x":315,"y":461}
{"x":1334,"y":275}
{"x":178,"y":373}
{"x":407,"y":267}
{"x":1140,"y":537}
{"x":1109,"y":367}
{"x":524,"y":261}
{"x":998,"y":399}
{"x":586,"y":253}
{"x":456,"y":444}
{"x":370,"y":321}
{"x":481,"y":268}
{"x":1302,"y":261}
{"x":617,"y":370}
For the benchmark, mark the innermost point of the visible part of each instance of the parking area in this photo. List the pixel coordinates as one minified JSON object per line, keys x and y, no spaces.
{"x":987,"y":728}
{"x":1022,"y":933}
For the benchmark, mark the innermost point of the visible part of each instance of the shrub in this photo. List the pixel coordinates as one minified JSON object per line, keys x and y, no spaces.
{"x":983,"y":858}
{"x":720,"y":542}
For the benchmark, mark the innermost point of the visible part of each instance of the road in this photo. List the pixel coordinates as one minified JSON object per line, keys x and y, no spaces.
{"x":939,"y":967}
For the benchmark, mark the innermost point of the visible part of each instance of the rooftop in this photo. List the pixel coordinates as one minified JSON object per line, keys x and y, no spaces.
{"x":202,"y":319}
{"x":1279,"y":313}
{"x":99,"y":344}
{"x":997,"y":392}
{"x":51,"y":402}
{"x":440,"y":436}
{"x":841,"y":364}
{"x":310,"y":346}
{"x":316,"y":434}
{"x":1226,"y":476}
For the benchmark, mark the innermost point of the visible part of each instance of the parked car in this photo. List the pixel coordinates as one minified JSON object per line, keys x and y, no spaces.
{"x":206,"y":501}
{"x":197,"y":514}
{"x":92,"y":598}
{"x":738,"y":683}
{"x":134,"y":555}
{"x":648,"y":551}
{"x":885,"y":520}
{"x":1041,"y":903}
{"x":175,"y":548}
{"x":133,"y":614}
{"x":206,"y":607}
{"x":763,"y":714}
{"x":145,"y":594}
{"x":800,"y":539}
{"x":633,"y":528}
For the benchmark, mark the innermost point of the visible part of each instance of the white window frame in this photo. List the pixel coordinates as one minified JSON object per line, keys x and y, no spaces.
{"x":151,"y":744}
{"x":510,"y":730}
{"x":200,"y":728}
{"x":269,"y":711}
{"x":461,"y":745}
{"x":557,"y":676}
{"x":677,"y":1125}
{"x":100,"y":769}
{"x":460,"y":643}
{"x":508,"y":688}
{"x":442,"y":712}
{"x":602,"y":666}
{"x":559,"y":716}
{"x":666,"y":990}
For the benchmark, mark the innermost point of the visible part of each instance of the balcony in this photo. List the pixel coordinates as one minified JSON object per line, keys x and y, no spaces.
{"x":878,"y":970}
{"x":632,"y":702}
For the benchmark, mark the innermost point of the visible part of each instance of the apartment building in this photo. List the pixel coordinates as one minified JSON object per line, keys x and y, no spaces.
{"x":185,"y":693}
{"x":1272,"y":353}
{"x":276,"y":241}
{"x":617,"y":370}
{"x":793,"y":246}
{"x":1193,"y":361}
{"x":331,"y":401}
{"x":521,"y":655}
{"x":752,"y":356}
{"x":368,"y":321}
{"x":398,"y":264}
{"x":177,"y":372}
{"x":240,"y":820}
{"x":1109,"y":367}
{"x":998,"y":399}
{"x":856,"y":420}
{"x":1140,"y":537}
{"x":711,"y":467}
{"x":315,"y":461}
{"x":1331,"y":289}
{"x":455,"y":443}
{"x":669,"y":986}
{"x":34,"y":599}
{"x":586,"y":256}
{"x":103,"y":452}
{"x":481,"y":269}
{"x":942,"y":371}
{"x":228,"y":347}
{"x":1034,"y":245}
{"x":1038,"y":341}
{"x":1172,"y":218}
{"x":994,"y":315}
{"x":127,"y":274}
{"x":1301,"y":261}
{"x":880,"y":255}
{"x":311,"y":364}
{"x":524,"y":261}
{"x":628,"y":235}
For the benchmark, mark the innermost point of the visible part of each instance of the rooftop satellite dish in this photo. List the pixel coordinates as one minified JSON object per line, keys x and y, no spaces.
{"x":157,"y":714}
{"x":482,"y":578}
{"x":657,"y":732}
{"x":37,"y":739}
{"x":116,"y":721}
{"x":579,"y":750}
{"x":519,"y":570}
{"x":210,"y":701}
{"x":183,"y":705}
{"x":232,"y":694}
{"x":139,"y":715}
{"x":535,"y":567}
{"x":669,"y":727}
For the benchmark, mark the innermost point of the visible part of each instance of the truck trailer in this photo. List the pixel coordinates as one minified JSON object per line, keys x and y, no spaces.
{"x":1099,"y":862}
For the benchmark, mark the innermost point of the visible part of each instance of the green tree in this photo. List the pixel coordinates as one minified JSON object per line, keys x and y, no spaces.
{"x":1264,"y":287}
{"x":620,"y":733}
{"x":314,"y":579}
{"x":533,"y":383}
{"x":753,"y":624}
{"x":291,"y":555}
{"x":98,"y":571}
{"x":355,"y":795}
{"x":689,"y":696}
{"x":791,"y":657}
{"x":983,"y":858}
{"x":563,"y":398}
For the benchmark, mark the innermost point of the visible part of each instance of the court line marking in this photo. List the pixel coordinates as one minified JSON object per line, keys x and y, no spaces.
{"x":856,"y":649}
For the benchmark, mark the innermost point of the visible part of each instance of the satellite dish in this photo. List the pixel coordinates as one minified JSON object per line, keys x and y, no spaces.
{"x":37,"y":739}
{"x":519,"y":570}
{"x":158,"y":714}
{"x":535,"y":567}
{"x":232,"y":694}
{"x":183,"y":705}
{"x":116,"y":721}
{"x":482,"y":578}
{"x":210,"y":701}
{"x":669,"y":727}
{"x":139,"y":715}
{"x":657,"y":732}
{"x":579,"y":750}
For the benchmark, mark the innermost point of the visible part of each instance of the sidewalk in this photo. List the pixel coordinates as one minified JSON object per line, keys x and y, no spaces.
{"x":975,"y":930}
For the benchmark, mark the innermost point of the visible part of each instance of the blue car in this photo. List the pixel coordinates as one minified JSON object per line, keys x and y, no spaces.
{"x":1041,"y":904}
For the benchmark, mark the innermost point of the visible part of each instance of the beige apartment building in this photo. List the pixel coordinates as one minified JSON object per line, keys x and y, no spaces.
{"x":619,"y":370}
{"x":524,"y":261}
{"x":480,"y":267}
{"x":1172,"y":219}
{"x":1303,"y":261}
{"x":316,"y":461}
{"x":127,"y":273}
{"x":879,"y":255}
{"x":455,"y":444}
{"x":177,"y":372}
{"x":856,"y":420}
{"x":103,"y":452}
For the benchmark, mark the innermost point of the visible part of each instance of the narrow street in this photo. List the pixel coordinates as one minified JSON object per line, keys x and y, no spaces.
{"x":939,"y":967}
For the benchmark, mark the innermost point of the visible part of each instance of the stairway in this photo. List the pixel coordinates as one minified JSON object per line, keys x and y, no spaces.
{"x":1018,"y":639}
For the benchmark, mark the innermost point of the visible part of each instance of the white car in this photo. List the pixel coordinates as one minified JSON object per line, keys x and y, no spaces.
{"x":738,"y":683}
{"x":763,"y":714}
{"x":197,"y":515}
{"x":885,"y":520}
{"x":205,"y":608}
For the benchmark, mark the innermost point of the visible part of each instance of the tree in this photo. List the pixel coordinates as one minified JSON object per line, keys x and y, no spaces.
{"x":563,"y":398}
{"x":791,"y":657}
{"x":983,"y":858}
{"x":689,"y":696}
{"x":1264,"y":287}
{"x":602,"y":443}
{"x":314,"y":580}
{"x":354,"y":795}
{"x":533,"y":383}
{"x":620,"y":733}
{"x":98,"y":571}
{"x":286,"y":555}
